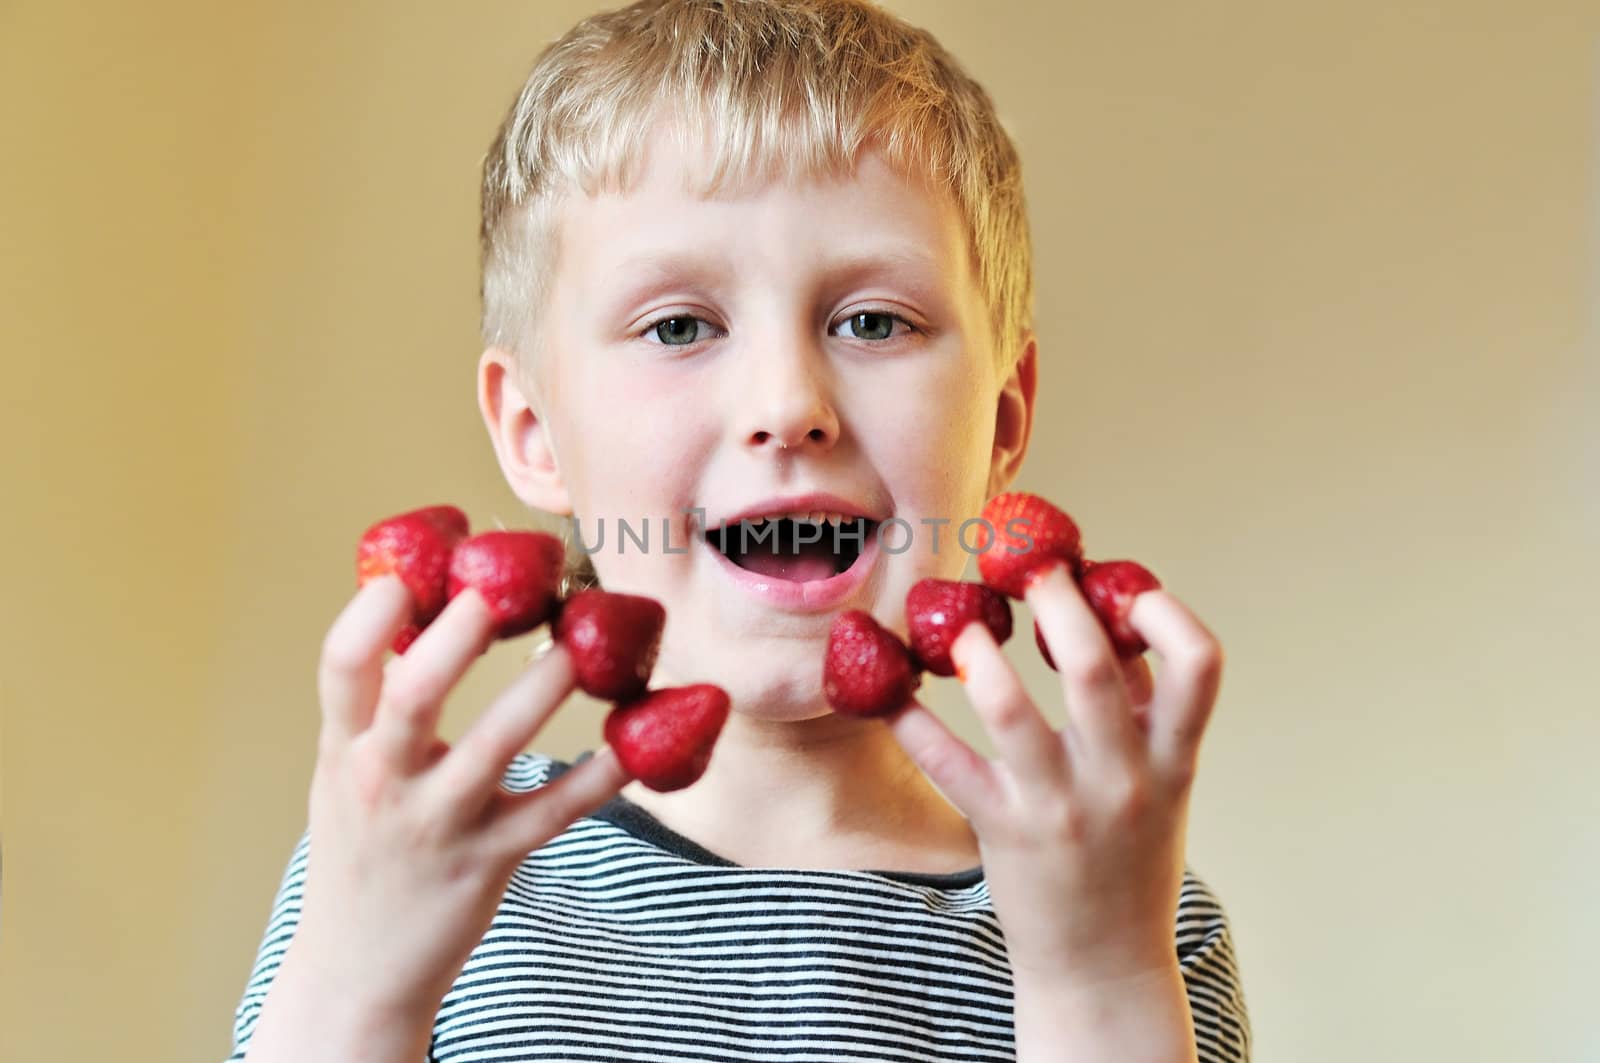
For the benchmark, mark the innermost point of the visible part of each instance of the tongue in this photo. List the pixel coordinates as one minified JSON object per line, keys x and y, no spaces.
{"x":812,"y":562}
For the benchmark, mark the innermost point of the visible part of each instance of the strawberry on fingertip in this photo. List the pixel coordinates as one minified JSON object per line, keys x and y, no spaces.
{"x":866,"y":670}
{"x":937,"y":610}
{"x":664,"y":738}
{"x":1028,"y":532}
{"x":613,"y":639}
{"x":518,"y":573}
{"x":416,"y":546}
{"x":1111,"y":587}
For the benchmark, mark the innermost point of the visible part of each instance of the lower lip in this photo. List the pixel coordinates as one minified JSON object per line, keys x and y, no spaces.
{"x":816,"y":595}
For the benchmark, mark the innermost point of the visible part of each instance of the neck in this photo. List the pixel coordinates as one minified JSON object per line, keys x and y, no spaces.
{"x":833,"y":790}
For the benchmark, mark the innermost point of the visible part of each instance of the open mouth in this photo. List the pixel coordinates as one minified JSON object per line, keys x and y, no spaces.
{"x":800,"y":550}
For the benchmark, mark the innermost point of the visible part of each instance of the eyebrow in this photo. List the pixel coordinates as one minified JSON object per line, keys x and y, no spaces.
{"x":642,"y":276}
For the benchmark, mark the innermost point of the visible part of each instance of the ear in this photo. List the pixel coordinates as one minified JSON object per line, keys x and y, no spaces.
{"x":1013,"y":419}
{"x":521,"y":440}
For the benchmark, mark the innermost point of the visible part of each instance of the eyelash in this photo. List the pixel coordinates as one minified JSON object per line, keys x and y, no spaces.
{"x":650,"y":328}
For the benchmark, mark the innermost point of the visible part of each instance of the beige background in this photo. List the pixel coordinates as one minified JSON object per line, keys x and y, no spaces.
{"x":1317,"y":299}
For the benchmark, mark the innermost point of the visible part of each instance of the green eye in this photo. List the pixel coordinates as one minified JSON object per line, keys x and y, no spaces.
{"x":876,"y":326}
{"x":678,"y":331}
{"x":872,"y":325}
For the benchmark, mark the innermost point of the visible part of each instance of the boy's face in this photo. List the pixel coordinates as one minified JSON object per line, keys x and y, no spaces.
{"x":733,"y":374}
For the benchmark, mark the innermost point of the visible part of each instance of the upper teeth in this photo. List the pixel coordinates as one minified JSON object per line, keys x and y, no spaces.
{"x":818,"y":516}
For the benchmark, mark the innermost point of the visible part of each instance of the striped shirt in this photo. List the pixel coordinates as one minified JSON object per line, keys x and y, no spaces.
{"x":623,"y":940}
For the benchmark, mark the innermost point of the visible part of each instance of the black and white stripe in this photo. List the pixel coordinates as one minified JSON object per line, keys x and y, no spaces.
{"x":622,"y":940}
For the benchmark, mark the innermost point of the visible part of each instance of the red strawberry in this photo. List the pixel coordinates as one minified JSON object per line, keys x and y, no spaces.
{"x":613,"y":640}
{"x":1028,"y":532}
{"x":664,"y":738}
{"x":867,"y":670}
{"x":517,"y":572}
{"x":415,"y":546}
{"x":1111,"y":587}
{"x":938,"y":609}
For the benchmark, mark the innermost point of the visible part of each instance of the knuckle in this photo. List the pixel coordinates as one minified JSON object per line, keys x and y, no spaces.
{"x":1092,"y":670}
{"x":1180,"y":775}
{"x":406,"y":705}
{"x":462,"y":783}
{"x":1131,"y":798}
{"x":330,"y":746}
{"x":516,"y":831}
{"x":460,"y":866}
{"x":939,"y":762}
{"x":431,"y":830}
{"x":411,"y":694}
{"x":1188,"y":732}
{"x":342,"y":653}
{"x":1068,"y":819}
{"x":1010,"y":713}
{"x":372,"y":781}
{"x":1203,"y":660}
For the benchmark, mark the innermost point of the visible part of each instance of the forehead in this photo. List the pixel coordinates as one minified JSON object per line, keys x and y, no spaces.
{"x":760,"y":221}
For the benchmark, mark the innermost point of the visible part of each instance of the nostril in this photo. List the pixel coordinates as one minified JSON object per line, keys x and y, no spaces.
{"x":816,"y":435}
{"x":762,"y":437}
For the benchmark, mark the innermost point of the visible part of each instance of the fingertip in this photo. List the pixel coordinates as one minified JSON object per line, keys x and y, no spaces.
{"x":969,"y":647}
{"x":387,"y":595}
{"x":557,"y":659}
{"x":605,"y":770}
{"x":367,"y":624}
{"x":470,"y":601}
{"x":1147,"y":604}
{"x":466,"y":619}
{"x":1054,"y":575}
{"x":1167,"y":625}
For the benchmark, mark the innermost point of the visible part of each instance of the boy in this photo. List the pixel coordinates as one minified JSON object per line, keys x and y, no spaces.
{"x":750,"y":261}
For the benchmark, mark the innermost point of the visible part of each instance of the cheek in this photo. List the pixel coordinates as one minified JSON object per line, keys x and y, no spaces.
{"x":936,"y":437}
{"x":638,"y":430}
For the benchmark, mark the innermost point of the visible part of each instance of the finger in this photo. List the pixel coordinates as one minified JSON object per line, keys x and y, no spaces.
{"x":417,"y":682}
{"x":523,"y":822}
{"x":350,"y":669}
{"x":1191,"y":676}
{"x":1099,"y":715}
{"x":1022,"y":737}
{"x":966,"y":778}
{"x":468,"y":775}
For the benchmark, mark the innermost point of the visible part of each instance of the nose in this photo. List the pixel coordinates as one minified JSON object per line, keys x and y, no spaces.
{"x":787,"y":400}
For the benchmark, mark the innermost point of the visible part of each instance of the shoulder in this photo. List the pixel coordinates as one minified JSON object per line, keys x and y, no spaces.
{"x":1211,"y":972}
{"x":1201,"y":918}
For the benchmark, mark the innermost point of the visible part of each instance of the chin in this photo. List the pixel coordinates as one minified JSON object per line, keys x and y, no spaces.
{"x":780,"y":680}
{"x":766,"y":698}
{"x":781,"y":690}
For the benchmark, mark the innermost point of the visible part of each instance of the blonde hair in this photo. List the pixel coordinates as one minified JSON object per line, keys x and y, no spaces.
{"x":778,"y":90}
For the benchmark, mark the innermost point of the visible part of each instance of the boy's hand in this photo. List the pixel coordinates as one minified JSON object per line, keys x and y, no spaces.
{"x":413,"y":842}
{"x":1081,"y":831}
